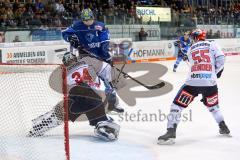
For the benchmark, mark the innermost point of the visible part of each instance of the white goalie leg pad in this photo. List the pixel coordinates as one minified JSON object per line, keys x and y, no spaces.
{"x":107,"y":130}
{"x":44,"y":123}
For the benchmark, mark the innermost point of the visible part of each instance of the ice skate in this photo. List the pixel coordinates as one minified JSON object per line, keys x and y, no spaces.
{"x":113,"y":104}
{"x":168,"y":138}
{"x":223,"y":129}
{"x":115,"y":108}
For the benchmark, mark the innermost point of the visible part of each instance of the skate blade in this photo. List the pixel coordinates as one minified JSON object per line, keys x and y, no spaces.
{"x":107,"y":139}
{"x":170,"y":141}
{"x":226,"y":135}
{"x":114,"y":113}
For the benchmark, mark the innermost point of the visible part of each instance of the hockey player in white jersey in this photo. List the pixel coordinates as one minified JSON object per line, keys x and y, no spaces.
{"x":206,"y":65}
{"x":84,"y":89}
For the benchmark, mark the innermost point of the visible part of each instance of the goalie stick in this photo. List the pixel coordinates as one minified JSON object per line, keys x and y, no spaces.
{"x":150,"y":87}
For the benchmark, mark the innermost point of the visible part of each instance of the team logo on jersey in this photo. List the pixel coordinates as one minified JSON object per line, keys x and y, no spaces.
{"x":98,"y":27}
{"x":201,"y":76}
{"x":184,"y":98}
{"x":89,"y":37}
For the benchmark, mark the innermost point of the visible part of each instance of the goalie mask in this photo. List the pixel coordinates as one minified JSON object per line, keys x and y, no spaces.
{"x":68,"y":58}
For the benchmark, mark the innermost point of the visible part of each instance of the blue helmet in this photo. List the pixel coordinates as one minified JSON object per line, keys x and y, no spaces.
{"x":87,"y":14}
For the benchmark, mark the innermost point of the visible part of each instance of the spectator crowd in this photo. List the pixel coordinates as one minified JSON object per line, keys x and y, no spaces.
{"x":61,"y":13}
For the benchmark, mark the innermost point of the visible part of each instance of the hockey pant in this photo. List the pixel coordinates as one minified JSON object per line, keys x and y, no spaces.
{"x":187,"y":94}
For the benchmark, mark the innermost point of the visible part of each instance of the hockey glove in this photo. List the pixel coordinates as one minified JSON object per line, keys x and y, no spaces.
{"x":73,"y":40}
{"x":219,"y":73}
{"x":110,"y":62}
{"x":176,"y":43}
{"x":185,"y":57}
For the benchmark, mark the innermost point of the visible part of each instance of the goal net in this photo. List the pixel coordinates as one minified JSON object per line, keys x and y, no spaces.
{"x":27,"y":92}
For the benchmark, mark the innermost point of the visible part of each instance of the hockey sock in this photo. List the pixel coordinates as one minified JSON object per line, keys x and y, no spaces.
{"x":217,"y":115}
{"x":174,"y":116}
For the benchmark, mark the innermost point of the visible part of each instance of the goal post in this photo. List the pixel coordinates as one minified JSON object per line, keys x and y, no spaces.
{"x":28,"y":91}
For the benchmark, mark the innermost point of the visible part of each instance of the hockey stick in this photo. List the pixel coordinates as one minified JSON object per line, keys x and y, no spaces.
{"x":126,"y":75}
{"x":125,"y":62}
{"x":157,"y":86}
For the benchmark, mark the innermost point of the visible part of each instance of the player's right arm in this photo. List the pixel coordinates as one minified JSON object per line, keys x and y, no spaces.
{"x":219,"y":58}
{"x":70,"y":35}
{"x":68,"y":32}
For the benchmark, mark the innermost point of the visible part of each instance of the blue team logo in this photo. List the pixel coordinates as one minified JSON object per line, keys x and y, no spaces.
{"x":89,"y":37}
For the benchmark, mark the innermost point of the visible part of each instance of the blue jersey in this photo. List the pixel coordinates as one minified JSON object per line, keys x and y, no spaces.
{"x":183,"y":43}
{"x":94,"y":38}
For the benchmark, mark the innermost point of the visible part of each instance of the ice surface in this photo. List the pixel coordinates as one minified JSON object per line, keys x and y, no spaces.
{"x":197,"y":138}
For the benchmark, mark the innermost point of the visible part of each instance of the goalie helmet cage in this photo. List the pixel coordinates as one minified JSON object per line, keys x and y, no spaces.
{"x":27,"y":91}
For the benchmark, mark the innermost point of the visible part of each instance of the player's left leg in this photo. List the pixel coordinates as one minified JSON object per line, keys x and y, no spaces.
{"x":93,"y":107}
{"x":177,"y":62}
{"x":210,"y":100}
{"x":184,"y":97}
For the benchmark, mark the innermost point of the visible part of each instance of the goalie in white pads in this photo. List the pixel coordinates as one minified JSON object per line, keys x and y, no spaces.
{"x":206,"y":65}
{"x":84,"y":88}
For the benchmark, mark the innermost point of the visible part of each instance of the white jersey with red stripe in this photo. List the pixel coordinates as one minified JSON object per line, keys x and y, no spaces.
{"x":81,"y":72}
{"x":202,"y":58}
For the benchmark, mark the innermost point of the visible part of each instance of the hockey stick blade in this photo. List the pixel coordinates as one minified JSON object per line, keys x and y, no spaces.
{"x":157,"y":86}
{"x":150,"y":87}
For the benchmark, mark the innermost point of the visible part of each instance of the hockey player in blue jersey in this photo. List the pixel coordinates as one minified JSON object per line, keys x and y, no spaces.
{"x":182,"y":44}
{"x":94,"y":36}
